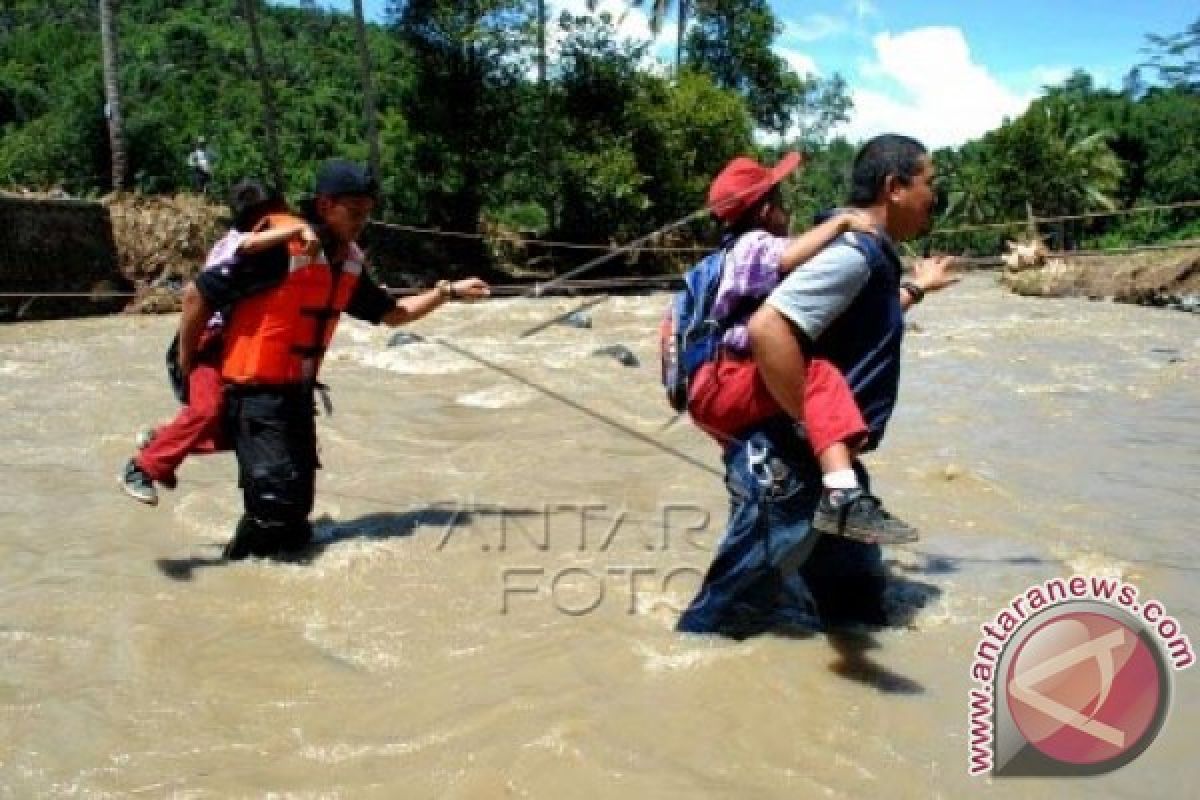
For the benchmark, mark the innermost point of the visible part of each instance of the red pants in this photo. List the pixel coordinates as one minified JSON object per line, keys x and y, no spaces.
{"x":728,"y":396}
{"x":196,"y":428}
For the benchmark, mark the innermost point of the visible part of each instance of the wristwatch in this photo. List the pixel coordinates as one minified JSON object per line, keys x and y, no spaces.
{"x":915,"y":292}
{"x":447,"y":290}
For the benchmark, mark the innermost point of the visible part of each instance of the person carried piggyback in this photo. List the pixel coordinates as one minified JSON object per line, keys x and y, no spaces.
{"x":707,"y":366}
{"x":192,"y":365}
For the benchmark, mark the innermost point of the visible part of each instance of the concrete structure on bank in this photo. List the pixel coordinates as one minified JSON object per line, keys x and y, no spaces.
{"x":57,"y":245}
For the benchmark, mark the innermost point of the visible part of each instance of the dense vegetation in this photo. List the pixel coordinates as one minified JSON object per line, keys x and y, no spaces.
{"x":591,"y":147}
{"x":1080,"y":149}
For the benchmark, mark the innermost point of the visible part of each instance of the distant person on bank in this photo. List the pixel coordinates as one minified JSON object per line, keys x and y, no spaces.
{"x":772,"y":569}
{"x":284,"y":308}
{"x":200,"y":162}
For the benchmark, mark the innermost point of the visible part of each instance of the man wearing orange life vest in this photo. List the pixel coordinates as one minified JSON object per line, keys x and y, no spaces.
{"x":284,"y":307}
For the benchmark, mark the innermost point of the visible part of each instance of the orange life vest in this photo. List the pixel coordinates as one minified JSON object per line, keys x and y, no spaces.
{"x":280,"y":335}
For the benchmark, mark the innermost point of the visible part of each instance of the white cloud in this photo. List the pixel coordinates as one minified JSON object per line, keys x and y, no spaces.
{"x":936,"y":93}
{"x":813,"y":28}
{"x":802,"y":63}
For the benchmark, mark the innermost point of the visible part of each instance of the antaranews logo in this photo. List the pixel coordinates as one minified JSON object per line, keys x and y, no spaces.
{"x":1073,"y":678}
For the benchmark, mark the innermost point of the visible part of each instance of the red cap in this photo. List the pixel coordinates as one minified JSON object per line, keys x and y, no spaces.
{"x":743,"y":182}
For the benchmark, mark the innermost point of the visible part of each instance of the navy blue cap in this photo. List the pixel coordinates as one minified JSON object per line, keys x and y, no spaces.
{"x":338,"y":177}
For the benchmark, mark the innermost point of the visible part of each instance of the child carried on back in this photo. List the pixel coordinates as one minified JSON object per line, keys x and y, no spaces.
{"x":727,"y":396}
{"x":197,"y":427}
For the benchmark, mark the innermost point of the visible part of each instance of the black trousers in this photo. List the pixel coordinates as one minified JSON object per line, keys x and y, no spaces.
{"x":200,"y":180}
{"x":274,"y":435}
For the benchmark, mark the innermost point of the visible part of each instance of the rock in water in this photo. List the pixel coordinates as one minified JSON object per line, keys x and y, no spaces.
{"x":577,"y":319}
{"x":621,"y":353}
{"x":401,"y":338}
{"x":952,"y":472}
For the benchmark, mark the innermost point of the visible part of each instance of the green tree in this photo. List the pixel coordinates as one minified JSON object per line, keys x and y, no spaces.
{"x":601,"y":186}
{"x":368,"y":86}
{"x":1051,"y":161}
{"x":541,"y":43}
{"x":684,"y":132}
{"x":638,"y":150}
{"x":1168,"y":122}
{"x":464,"y":106}
{"x":822,"y":183}
{"x":270,"y":116}
{"x":972,"y":198}
{"x":731,"y":41}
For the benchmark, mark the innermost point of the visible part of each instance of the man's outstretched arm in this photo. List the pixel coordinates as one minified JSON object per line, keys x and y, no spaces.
{"x":409,"y":309}
{"x":929,"y":275}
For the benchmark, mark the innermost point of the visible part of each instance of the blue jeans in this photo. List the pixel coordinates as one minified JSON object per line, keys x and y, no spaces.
{"x":772,"y":571}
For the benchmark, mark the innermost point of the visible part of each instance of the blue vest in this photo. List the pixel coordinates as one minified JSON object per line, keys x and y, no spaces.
{"x":864,"y":341}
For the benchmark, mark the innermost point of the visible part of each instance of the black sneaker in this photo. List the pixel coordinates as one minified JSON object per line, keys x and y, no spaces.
{"x":137,"y":484}
{"x":857,"y":515}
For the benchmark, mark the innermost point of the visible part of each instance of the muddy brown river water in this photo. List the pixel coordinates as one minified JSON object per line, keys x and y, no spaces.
{"x":489,"y":611}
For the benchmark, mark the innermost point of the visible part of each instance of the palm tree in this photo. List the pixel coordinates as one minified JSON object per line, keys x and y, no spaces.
{"x":1098,"y":168}
{"x":112,"y":91}
{"x":658,"y":14}
{"x":682,"y":7}
{"x":1068,"y":166}
{"x":970,"y":195}
{"x":364,"y":58}
{"x":541,"y":34}
{"x":541,"y":77}
{"x":269,"y":116}
{"x":1095,"y":168}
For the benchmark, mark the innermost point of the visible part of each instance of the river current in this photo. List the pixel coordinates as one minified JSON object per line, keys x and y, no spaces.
{"x":504,"y":547}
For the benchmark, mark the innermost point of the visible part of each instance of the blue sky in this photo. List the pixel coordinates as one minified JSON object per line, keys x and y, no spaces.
{"x":943,"y":70}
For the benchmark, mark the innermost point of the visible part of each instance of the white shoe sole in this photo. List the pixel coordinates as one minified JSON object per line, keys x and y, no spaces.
{"x":150,"y":500}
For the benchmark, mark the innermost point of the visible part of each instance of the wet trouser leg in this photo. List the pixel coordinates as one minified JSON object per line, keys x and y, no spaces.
{"x":274,"y":437}
{"x":753,"y":585}
{"x":197,"y":428}
{"x":847,"y":578}
{"x":772,"y":571}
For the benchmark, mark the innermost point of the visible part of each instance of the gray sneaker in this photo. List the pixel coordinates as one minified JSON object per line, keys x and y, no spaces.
{"x":137,"y":484}
{"x":143,"y":439}
{"x":857,"y":515}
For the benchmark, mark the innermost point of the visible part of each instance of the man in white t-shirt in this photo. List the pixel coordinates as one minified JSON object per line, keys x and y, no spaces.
{"x":200,"y":162}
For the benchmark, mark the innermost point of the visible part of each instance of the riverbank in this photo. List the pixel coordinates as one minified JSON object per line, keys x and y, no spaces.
{"x":158,"y":243}
{"x":1161,"y":278}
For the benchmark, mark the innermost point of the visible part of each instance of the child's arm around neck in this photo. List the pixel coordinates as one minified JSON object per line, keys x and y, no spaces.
{"x":803,"y":247}
{"x":260,"y":240}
